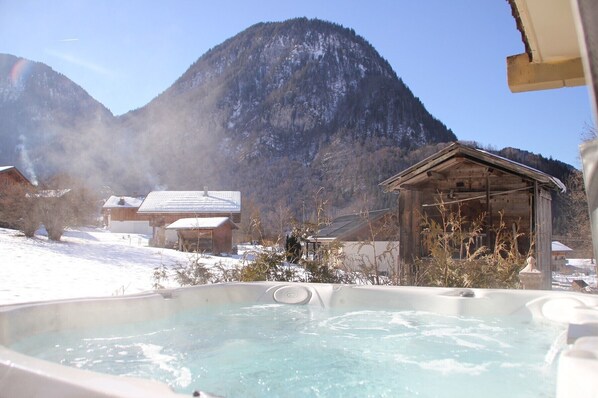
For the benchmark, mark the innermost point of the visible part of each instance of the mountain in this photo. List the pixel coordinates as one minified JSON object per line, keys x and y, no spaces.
{"x":47,"y":122}
{"x":289,"y":113}
{"x":280,"y":110}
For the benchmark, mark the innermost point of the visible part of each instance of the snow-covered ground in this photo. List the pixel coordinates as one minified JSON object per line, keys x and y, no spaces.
{"x":86,"y":263}
{"x":95,"y":262}
{"x":576,"y":269}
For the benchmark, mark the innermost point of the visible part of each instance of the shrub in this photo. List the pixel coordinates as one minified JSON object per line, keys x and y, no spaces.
{"x":454,"y":261}
{"x":159,"y":276}
{"x":321,"y":273}
{"x":193,"y":273}
{"x":268,"y":266}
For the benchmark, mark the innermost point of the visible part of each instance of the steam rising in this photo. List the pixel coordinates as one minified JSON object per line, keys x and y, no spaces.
{"x":25,"y":160}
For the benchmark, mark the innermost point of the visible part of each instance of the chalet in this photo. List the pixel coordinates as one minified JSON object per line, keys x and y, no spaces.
{"x":120,"y":215}
{"x":207,"y":234}
{"x":10,"y":175}
{"x":364,"y":240}
{"x":13,"y":185}
{"x":163,"y":208}
{"x":478,"y":183}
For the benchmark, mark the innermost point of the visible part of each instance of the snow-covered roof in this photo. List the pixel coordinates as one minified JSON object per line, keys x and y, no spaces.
{"x":343,"y":226}
{"x":199,"y":223}
{"x":126,"y":202}
{"x":559,"y":247}
{"x":4,"y":168}
{"x":193,"y":202}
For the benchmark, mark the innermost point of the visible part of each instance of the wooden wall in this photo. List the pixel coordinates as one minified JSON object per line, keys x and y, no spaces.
{"x":410,"y":247}
{"x":218,"y":240}
{"x":10,"y":178}
{"x":126,"y":214}
{"x":543,"y":236}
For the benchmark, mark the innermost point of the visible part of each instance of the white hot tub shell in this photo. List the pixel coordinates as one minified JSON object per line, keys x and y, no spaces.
{"x":25,"y":376}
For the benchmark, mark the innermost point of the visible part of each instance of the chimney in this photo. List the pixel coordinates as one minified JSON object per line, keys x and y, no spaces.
{"x":205,"y":190}
{"x":121,"y":201}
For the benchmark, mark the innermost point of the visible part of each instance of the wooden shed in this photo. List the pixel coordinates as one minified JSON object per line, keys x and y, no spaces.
{"x":478,"y":183}
{"x":204,"y":234}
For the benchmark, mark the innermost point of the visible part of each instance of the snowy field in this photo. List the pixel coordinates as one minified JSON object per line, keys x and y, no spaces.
{"x":85,"y":263}
{"x":96,"y":263}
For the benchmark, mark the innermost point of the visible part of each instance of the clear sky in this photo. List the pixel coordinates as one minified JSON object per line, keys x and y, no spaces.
{"x":452,"y":54}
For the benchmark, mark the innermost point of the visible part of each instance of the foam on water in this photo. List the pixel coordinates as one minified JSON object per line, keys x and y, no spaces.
{"x":297,"y":351}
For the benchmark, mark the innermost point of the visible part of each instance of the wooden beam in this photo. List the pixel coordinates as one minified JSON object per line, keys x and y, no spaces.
{"x":435,"y":175}
{"x":498,"y":173}
{"x":524,"y":75}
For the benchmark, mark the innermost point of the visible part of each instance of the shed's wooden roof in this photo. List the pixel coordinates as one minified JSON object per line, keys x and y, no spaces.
{"x":457,"y":152}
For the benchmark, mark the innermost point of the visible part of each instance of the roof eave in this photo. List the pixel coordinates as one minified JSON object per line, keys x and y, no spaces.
{"x":475,"y":155}
{"x":156,"y":212}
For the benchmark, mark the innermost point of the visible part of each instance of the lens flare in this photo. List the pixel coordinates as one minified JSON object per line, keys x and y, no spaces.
{"x":20,"y":71}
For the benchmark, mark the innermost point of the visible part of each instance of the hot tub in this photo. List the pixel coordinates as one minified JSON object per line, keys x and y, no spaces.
{"x":360,"y":318}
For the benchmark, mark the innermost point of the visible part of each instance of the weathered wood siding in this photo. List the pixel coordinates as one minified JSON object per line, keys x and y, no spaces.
{"x":410,"y":230}
{"x":9,"y":179}
{"x":543,"y":234}
{"x":496,"y":198}
{"x":126,"y":214}
{"x":217,"y":240}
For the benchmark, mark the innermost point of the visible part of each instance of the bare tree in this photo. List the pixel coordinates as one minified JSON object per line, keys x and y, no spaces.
{"x":576,"y":218}
{"x":66,"y":202}
{"x":589,"y":133}
{"x":280,"y":218}
{"x":381,"y":237}
{"x":251,"y":223}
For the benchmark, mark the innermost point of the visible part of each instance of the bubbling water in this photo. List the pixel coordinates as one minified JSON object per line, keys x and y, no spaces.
{"x":298,"y":351}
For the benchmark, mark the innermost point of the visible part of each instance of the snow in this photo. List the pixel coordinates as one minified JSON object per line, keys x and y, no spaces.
{"x":97,"y":263}
{"x":127,"y":202}
{"x":191,"y":202}
{"x":560,"y":247}
{"x":85,"y":263}
{"x":588,"y":264}
{"x":565,"y":281}
{"x":198,"y":223}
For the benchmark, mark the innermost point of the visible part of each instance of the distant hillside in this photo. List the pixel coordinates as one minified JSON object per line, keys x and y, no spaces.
{"x":48,"y":123}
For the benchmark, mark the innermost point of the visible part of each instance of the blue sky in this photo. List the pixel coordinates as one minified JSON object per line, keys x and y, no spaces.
{"x":452,"y":54}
